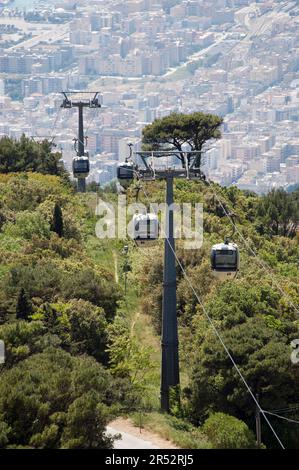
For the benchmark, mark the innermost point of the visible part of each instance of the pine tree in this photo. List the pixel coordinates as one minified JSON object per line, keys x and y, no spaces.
{"x":24,"y":306}
{"x":57,"y":223}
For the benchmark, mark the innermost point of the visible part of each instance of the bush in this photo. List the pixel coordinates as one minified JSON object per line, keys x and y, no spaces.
{"x":52,"y":280}
{"x":71,"y":229}
{"x":86,"y":422}
{"x":31,"y":189}
{"x":4,"y":431}
{"x":28,"y":224}
{"x":54,"y":247}
{"x":86,"y":284}
{"x":58,"y":402}
{"x":262,"y":353}
{"x":21,"y":339}
{"x":228,"y":432}
{"x":41,"y":280}
{"x":80,"y":325}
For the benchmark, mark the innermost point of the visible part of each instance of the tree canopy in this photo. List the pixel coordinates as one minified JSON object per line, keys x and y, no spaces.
{"x":175,"y":131}
{"x":53,"y":403}
{"x":55,"y":305}
{"x":27,"y":155}
{"x":278,"y":213}
{"x":77,"y":352}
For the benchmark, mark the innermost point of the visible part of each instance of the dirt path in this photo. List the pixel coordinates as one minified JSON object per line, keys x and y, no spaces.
{"x":131,"y":434}
{"x":116,"y":268}
{"x":135,"y":319}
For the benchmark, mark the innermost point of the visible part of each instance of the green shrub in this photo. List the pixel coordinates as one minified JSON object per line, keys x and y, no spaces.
{"x":228,"y":432}
{"x":28,"y":224}
{"x":59,"y":401}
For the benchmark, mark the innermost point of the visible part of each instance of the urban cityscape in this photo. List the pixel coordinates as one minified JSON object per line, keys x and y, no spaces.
{"x":238,"y":59}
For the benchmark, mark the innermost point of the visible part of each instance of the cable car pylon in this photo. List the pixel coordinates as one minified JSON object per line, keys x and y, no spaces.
{"x":170,"y":375}
{"x":81,"y":165}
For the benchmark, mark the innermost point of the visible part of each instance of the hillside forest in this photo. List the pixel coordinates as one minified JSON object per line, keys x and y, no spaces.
{"x":81,"y":351}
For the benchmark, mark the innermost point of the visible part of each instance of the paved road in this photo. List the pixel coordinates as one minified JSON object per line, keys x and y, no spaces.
{"x":128,"y":441}
{"x":257,"y":26}
{"x":48,"y":36}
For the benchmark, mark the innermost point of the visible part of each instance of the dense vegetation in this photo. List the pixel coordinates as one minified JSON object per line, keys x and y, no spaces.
{"x":27,"y":155}
{"x":256,"y":319}
{"x":79,"y":352}
{"x":56,"y":305}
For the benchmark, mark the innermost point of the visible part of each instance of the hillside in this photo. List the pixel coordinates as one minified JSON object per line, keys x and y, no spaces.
{"x":256,"y":314}
{"x":79,"y":350}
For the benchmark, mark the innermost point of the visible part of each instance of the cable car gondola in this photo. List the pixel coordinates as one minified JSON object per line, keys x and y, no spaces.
{"x":125,"y":170}
{"x":146,"y":229}
{"x":81,"y":167}
{"x":225,"y":260}
{"x":125,"y":173}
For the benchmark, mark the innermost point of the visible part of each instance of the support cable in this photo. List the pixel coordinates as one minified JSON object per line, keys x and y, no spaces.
{"x":221,"y":339}
{"x":263,"y":264}
{"x":294,"y":409}
{"x":281,"y":417}
{"x":52,"y":133}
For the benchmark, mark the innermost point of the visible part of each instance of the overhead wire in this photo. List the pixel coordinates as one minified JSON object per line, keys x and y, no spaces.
{"x":281,"y":417}
{"x":262,"y":263}
{"x":263,"y":412}
{"x":294,"y":409}
{"x":220,"y":337}
{"x":52,"y":134}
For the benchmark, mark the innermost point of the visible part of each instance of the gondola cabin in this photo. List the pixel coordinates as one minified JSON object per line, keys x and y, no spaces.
{"x":225,"y":261}
{"x":81,"y":167}
{"x":125,"y":173}
{"x":146,"y":229}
